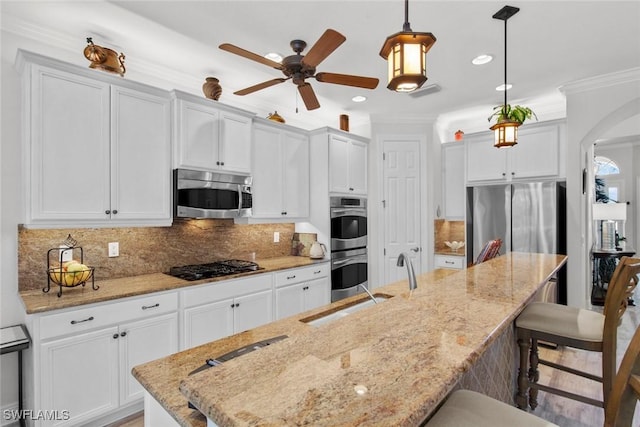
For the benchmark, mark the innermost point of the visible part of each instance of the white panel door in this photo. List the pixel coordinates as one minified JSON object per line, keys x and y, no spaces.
{"x":289,"y":300}
{"x":69,"y":147}
{"x":235,"y":142}
{"x":338,"y":164}
{"x":268,"y":172}
{"x":402,"y":229}
{"x":207,"y":323}
{"x":358,"y":167}
{"x":198,"y":136}
{"x":253,"y":310}
{"x":80,"y":375}
{"x":140,"y":155}
{"x":295,"y":151}
{"x":143,"y":341}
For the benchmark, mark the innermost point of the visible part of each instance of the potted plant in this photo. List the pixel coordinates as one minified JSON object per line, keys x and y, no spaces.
{"x":517,"y":113}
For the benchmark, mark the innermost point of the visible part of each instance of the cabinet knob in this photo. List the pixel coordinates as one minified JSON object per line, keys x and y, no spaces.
{"x":504,"y":174}
{"x":305,"y":288}
{"x":115,"y":211}
{"x":221,"y":163}
{"x":350,"y":188}
{"x":123,"y":334}
{"x":115,"y":336}
{"x":107,"y":212}
{"x":218,"y":163}
{"x":513,"y":173}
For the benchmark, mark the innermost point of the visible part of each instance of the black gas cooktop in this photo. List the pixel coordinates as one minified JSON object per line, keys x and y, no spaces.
{"x":214,"y":269}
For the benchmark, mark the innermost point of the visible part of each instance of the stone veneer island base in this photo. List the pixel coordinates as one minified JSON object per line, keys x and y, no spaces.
{"x":389,"y":364}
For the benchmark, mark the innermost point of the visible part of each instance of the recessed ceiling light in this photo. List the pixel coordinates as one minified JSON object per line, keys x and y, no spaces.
{"x":482,"y":59}
{"x":359,"y":98}
{"x":274,"y":56}
{"x":501,"y":87}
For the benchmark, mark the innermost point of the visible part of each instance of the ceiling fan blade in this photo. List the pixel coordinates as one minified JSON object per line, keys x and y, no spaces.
{"x":308,"y":96}
{"x":260,"y":86}
{"x":327,"y":43}
{"x":347,"y":80}
{"x":250,"y":55}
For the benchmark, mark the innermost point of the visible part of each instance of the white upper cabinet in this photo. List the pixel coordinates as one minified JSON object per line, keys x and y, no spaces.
{"x":347,"y":165}
{"x":97,"y":149}
{"x":280,"y":171}
{"x":453,"y":189}
{"x":538,"y":154}
{"x":211,"y":136}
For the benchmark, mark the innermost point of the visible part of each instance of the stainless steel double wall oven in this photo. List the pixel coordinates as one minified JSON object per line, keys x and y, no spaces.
{"x":348,"y":246}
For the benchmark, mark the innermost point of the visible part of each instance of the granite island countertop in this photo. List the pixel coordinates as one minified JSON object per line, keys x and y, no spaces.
{"x":407,"y":353}
{"x":36,"y":301}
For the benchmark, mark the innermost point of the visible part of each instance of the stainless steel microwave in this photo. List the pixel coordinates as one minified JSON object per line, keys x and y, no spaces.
{"x":200,"y":194}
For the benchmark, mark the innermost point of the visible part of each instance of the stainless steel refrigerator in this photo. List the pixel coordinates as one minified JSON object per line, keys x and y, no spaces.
{"x":528,"y":217}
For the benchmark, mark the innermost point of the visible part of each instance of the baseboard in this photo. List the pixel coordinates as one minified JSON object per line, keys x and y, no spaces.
{"x":7,"y":419}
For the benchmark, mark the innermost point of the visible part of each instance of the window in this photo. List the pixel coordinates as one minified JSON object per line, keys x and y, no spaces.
{"x":605,"y":166}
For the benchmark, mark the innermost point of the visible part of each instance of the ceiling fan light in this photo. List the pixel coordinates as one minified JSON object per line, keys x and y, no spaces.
{"x":406,"y":54}
{"x":505,"y":133}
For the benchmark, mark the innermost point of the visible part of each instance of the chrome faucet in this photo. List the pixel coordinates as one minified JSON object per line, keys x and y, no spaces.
{"x":402,"y":258}
{"x":368,"y":293}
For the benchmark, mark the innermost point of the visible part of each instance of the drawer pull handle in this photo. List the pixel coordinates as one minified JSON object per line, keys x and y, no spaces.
{"x":146,"y":307}
{"x":449,"y":262}
{"x":291,"y":277}
{"x":75,"y":322}
{"x":317,"y":272}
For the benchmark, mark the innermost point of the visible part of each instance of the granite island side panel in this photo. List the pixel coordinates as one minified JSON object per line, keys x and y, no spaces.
{"x":409,"y":352}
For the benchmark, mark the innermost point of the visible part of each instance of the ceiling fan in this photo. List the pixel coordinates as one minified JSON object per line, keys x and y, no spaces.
{"x":299,"y":67}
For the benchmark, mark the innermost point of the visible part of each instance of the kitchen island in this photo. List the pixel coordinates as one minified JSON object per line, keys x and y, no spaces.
{"x":389,"y":364}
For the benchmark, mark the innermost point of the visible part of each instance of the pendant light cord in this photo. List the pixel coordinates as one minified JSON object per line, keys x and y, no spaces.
{"x":505,"y":63}
{"x":406,"y":27}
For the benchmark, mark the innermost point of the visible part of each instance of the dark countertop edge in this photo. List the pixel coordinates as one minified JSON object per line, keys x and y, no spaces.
{"x":175,"y":283}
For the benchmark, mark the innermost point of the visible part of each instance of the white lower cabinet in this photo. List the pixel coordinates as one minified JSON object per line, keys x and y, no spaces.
{"x":220,"y":309}
{"x":449,"y":261}
{"x":302,"y":289}
{"x":81,"y":359}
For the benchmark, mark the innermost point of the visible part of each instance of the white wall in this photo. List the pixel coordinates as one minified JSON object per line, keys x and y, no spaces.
{"x":594,"y":106}
{"x":11,"y":308}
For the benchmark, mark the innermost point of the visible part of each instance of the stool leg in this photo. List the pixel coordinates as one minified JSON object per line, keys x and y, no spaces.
{"x":534,"y":374}
{"x":523,"y":380}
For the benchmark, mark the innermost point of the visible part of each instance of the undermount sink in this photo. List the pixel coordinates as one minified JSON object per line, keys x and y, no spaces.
{"x":342,"y":311}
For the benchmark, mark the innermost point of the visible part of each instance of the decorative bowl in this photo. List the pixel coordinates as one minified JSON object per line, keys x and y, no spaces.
{"x":454,"y":246}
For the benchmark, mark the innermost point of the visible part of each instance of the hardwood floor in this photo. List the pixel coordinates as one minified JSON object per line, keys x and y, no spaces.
{"x":559,"y":410}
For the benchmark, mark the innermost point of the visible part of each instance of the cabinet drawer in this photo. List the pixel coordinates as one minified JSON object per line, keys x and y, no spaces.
{"x":455,"y":262}
{"x":303,"y":274}
{"x":101,"y":315}
{"x":226,"y":289}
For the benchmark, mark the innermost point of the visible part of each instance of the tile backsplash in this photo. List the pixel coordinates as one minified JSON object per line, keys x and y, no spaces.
{"x":145,"y":250}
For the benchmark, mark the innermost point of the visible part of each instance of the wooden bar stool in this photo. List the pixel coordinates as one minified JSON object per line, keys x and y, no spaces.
{"x":577,"y":328}
{"x":466,"y":408}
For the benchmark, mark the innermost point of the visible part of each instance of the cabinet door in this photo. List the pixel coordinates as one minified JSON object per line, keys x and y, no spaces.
{"x":290,"y":300}
{"x":485,"y":162}
{"x":141,"y":342}
{"x":235,"y":142}
{"x":80,"y":374}
{"x":453,"y":191}
{"x":208,"y":322}
{"x":140,"y":156}
{"x":536,"y":154}
{"x":198,"y":136}
{"x":295,"y":149}
{"x":338,"y":164}
{"x":317,"y":293}
{"x":268,"y":175}
{"x":69,"y":158}
{"x":357,"y":167}
{"x":253,"y":310}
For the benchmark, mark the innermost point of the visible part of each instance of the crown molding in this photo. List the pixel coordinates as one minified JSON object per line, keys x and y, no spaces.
{"x":603,"y":81}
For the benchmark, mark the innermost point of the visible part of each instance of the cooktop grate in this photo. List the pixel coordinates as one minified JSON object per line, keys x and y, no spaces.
{"x":214,"y":269}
